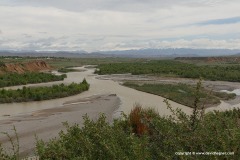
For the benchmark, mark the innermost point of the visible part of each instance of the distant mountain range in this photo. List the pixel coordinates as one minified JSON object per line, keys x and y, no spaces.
{"x":142,"y":53}
{"x":179,"y":52}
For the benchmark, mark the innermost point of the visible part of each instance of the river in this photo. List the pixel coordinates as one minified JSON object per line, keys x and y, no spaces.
{"x":128,"y":96}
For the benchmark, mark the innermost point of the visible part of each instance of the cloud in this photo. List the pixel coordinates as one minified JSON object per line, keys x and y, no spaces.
{"x":115,"y":5}
{"x":117,"y":24}
{"x":203,"y":43}
{"x":231,"y":20}
{"x":67,"y":43}
{"x":42,"y":32}
{"x":26,"y":35}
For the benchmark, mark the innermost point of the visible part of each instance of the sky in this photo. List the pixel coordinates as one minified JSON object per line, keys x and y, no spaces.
{"x":99,"y":25}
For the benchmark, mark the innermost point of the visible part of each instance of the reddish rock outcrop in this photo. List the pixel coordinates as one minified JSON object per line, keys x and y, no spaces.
{"x":33,"y":66}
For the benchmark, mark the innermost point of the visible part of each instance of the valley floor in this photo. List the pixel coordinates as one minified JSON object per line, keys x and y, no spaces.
{"x":105,"y":95}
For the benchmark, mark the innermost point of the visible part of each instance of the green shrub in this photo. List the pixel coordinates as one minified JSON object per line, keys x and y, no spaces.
{"x":2,"y":64}
{"x":173,"y":69}
{"x":66,"y":70}
{"x":163,"y":137}
{"x":42,"y":93}
{"x":13,"y":79}
{"x":95,"y":140}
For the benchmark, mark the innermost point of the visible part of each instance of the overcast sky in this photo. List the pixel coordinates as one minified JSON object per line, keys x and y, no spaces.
{"x":94,"y":25}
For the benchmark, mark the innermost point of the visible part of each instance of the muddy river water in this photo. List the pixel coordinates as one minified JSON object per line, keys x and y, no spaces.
{"x":128,"y":97}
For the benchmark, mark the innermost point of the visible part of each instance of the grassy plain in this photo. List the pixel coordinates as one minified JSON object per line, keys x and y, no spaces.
{"x":183,"y":93}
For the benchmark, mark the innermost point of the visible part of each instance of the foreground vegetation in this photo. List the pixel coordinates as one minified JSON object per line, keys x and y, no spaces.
{"x":145,"y":135}
{"x":42,"y":93}
{"x":174,"y":69}
{"x":13,"y":79}
{"x":183,"y":93}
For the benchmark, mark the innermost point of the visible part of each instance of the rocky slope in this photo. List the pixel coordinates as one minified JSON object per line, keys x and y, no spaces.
{"x":33,"y":66}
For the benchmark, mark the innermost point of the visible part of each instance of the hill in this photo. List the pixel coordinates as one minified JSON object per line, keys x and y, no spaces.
{"x":135,"y":53}
{"x":32,"y":66}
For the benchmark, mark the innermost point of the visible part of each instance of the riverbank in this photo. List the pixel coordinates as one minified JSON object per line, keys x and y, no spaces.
{"x":47,"y":123}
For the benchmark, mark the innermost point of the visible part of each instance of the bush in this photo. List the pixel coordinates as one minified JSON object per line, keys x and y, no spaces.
{"x":2,"y":64}
{"x":161,"y":138}
{"x":13,"y":79}
{"x":96,"y":140}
